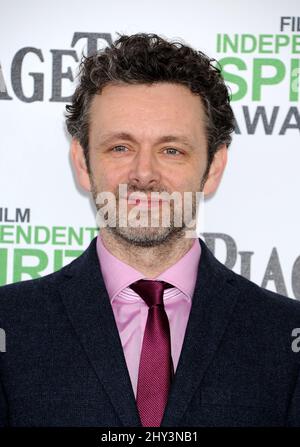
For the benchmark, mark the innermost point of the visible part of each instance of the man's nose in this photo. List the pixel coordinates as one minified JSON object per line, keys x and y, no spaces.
{"x":144,"y":171}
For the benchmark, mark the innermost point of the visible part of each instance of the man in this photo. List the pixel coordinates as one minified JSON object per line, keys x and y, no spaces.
{"x":147,"y":327}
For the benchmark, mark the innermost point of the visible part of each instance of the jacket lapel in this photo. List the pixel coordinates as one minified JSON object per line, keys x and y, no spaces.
{"x":213,"y":302}
{"x":88,"y":306}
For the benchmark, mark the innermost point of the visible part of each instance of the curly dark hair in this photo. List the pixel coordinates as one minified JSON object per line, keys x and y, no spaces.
{"x":146,"y":59}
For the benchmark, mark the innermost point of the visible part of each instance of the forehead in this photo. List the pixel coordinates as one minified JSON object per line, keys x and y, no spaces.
{"x":156,"y":108}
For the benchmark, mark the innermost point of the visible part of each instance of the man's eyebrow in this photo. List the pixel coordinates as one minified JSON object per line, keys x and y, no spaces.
{"x":106,"y":138}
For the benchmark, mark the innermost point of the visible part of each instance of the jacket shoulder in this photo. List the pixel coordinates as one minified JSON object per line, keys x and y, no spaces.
{"x":22,"y":292}
{"x":266,"y":306}
{"x":252,"y":297}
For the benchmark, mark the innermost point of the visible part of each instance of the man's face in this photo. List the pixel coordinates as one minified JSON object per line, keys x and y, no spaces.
{"x":151,"y":138}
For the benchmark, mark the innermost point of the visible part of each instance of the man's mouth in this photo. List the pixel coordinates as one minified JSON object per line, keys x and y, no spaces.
{"x":148,"y":202}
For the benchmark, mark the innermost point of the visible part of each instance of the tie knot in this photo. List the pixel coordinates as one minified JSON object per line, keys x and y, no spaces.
{"x":151,"y":292}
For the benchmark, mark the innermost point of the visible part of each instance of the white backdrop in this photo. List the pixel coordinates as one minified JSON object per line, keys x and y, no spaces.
{"x":254,"y":217}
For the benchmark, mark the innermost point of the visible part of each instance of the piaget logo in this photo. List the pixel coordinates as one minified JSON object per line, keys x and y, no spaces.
{"x":41,"y":90}
{"x":255,"y":66}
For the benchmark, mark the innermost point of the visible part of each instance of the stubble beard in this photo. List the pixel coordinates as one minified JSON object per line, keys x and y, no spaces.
{"x":144,"y":236}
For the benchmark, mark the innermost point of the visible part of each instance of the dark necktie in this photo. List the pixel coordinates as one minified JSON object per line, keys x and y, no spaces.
{"x":156,"y":367}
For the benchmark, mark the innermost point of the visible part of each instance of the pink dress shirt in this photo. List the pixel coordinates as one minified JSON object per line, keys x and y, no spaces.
{"x":131,"y":311}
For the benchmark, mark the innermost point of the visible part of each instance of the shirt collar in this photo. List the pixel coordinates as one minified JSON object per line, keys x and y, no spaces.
{"x":118,"y":275}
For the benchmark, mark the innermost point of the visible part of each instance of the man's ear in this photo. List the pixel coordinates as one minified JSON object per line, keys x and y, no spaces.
{"x":79,"y":163}
{"x":216,"y":170}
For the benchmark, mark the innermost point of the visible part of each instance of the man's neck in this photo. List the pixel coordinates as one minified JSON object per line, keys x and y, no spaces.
{"x":151,"y":261}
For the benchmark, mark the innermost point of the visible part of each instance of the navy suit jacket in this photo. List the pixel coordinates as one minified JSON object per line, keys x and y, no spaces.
{"x":64,"y":363}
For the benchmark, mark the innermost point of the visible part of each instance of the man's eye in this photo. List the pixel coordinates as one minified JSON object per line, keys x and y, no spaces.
{"x":173,"y":151}
{"x":119,"y":149}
